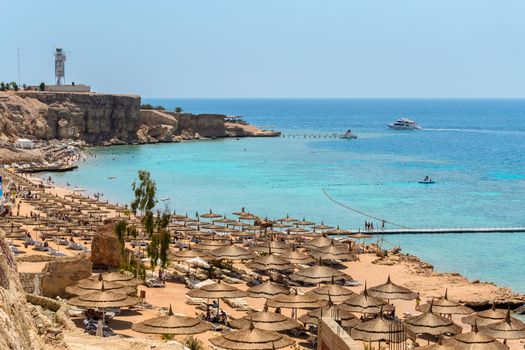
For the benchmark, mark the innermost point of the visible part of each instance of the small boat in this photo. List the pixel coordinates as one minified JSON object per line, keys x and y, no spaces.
{"x":426,"y":181}
{"x":111,"y":177}
{"x":404,"y":124}
{"x":165,"y":199}
{"x":349,"y":135}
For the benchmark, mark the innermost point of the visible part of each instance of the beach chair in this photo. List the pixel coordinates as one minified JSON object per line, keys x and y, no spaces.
{"x":40,"y":247}
{"x":54,"y":252}
{"x":154,"y":283}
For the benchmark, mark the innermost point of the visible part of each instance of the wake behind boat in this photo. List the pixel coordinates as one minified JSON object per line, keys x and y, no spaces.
{"x":404,"y":124}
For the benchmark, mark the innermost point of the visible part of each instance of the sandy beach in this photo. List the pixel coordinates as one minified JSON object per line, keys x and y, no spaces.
{"x":407,"y":271}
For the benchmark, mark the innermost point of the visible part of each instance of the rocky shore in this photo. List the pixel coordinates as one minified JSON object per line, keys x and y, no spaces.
{"x":93,"y":119}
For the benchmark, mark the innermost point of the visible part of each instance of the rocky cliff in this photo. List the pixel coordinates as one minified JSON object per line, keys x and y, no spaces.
{"x":105,"y":119}
{"x":94,"y":118}
{"x":17,"y":326}
{"x":170,"y":126}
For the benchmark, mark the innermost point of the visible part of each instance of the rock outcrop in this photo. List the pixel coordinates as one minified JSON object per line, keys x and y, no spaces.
{"x":17,"y":326}
{"x":105,"y":248}
{"x":102,"y":119}
{"x":63,"y":272}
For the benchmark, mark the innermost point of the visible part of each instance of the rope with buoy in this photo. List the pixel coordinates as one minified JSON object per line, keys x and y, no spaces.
{"x":361,"y":212}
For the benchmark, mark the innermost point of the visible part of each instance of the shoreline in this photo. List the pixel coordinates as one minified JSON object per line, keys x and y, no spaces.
{"x":500,"y":295}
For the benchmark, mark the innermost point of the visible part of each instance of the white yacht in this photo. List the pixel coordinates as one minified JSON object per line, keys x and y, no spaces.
{"x":404,"y":124}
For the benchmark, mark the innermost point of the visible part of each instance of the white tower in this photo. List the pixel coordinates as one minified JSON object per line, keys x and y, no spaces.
{"x":60,"y":60}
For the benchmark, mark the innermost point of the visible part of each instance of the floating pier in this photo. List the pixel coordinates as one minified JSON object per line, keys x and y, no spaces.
{"x":446,"y":230}
{"x":313,"y":136}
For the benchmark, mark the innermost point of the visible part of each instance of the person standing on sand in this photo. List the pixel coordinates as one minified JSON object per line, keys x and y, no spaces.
{"x":418,"y":300}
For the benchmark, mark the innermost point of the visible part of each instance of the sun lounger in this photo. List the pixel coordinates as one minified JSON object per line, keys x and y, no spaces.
{"x":40,"y":247}
{"x":54,"y":252}
{"x":194,"y":301}
{"x":75,"y":246}
{"x":155,"y":283}
{"x":237,"y":303}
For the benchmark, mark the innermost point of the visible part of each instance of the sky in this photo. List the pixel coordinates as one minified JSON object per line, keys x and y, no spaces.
{"x":272,"y":48}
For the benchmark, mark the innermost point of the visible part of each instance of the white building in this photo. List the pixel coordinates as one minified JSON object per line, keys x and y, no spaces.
{"x":24,"y":143}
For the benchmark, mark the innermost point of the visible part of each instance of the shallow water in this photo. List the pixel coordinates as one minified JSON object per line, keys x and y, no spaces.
{"x":474,"y":149}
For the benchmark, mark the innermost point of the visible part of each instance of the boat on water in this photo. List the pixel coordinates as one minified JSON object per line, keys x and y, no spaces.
{"x":404,"y":124}
{"x":349,"y":135}
{"x":165,"y":199}
{"x":427,"y":181}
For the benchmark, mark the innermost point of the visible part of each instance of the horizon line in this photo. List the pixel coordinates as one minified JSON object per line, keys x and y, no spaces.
{"x":337,"y":98}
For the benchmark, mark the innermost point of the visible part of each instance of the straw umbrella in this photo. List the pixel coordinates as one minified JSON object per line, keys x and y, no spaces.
{"x":390,"y":291}
{"x":295,"y":301}
{"x":335,"y":312}
{"x":335,"y":292}
{"x":444,"y":306}
{"x":267,"y":290}
{"x":89,"y":285}
{"x":475,"y":341}
{"x":366,"y":304}
{"x":319,"y":242}
{"x":103,"y":299}
{"x":432,"y":324}
{"x":267,"y":321}
{"x":183,"y":255}
{"x":171,"y":324}
{"x":296,"y":257}
{"x":272,"y":246}
{"x":338,"y":231}
{"x":379,"y":329}
{"x":270,"y":262}
{"x":318,"y":274}
{"x":231,"y":252}
{"x":210,"y":215}
{"x":126,"y":280}
{"x":438,"y":346}
{"x":484,"y":318}
{"x":333,"y":253}
{"x":217,"y":291}
{"x":509,"y":329}
{"x":252,"y":339}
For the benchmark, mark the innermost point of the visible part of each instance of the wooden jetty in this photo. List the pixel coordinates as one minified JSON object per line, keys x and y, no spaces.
{"x":446,"y":230}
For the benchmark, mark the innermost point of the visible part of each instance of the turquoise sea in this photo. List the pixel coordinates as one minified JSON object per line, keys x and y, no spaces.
{"x":474,"y":149}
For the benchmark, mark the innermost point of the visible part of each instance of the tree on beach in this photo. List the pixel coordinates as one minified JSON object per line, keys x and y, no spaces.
{"x":178,"y":109}
{"x":145,"y":201}
{"x":42,"y":86}
{"x":155,"y":227}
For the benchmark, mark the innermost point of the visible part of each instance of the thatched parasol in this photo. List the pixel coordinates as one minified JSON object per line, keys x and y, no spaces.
{"x":508,"y":329}
{"x":444,"y":306}
{"x":333,"y":252}
{"x":319,"y":242}
{"x":379,"y":329}
{"x":252,"y":339}
{"x":391,"y":291}
{"x":338,"y":231}
{"x":270,"y":262}
{"x":475,"y":341}
{"x":210,"y":215}
{"x":296,"y":301}
{"x":125,"y":280}
{"x":365,"y":304}
{"x":335,"y":312}
{"x":438,"y":346}
{"x":217,"y":290}
{"x":171,"y":324}
{"x":318,"y":274}
{"x":183,"y":255}
{"x":103,"y":299}
{"x":267,"y":290}
{"x":334,"y":292}
{"x":231,"y":252}
{"x":484,"y":318}
{"x":272,"y":246}
{"x":296,"y":257}
{"x":267,"y":321}
{"x":89,"y":285}
{"x":430,"y":323}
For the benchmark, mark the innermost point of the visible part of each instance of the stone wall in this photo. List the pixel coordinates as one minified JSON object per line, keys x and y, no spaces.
{"x":331,"y":336}
{"x":63,"y":272}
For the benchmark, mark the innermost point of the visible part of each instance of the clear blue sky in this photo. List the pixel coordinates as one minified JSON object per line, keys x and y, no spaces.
{"x":272,"y":48}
